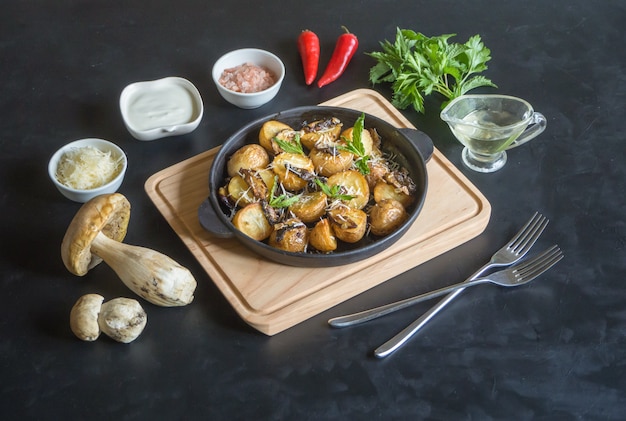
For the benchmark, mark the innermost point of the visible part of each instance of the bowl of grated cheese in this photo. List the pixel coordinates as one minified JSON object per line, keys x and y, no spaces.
{"x":86,"y":168}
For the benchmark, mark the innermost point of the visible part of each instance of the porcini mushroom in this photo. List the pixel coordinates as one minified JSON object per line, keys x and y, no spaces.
{"x":84,"y":317}
{"x":96,"y":233}
{"x":122,"y":319}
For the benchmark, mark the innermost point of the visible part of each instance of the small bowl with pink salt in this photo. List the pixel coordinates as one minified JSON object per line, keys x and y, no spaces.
{"x":249,"y":77}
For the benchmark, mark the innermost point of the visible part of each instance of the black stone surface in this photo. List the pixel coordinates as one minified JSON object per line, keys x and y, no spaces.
{"x":551,"y":350}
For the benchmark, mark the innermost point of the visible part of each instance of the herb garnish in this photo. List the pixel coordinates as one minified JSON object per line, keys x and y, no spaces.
{"x":355,"y":146}
{"x":334,"y":192}
{"x":282,"y":201}
{"x":417,"y":65}
{"x":289,"y":147}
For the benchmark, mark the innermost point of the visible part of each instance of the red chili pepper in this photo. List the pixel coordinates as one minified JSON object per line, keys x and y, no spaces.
{"x":309,"y":48}
{"x":345,"y":48}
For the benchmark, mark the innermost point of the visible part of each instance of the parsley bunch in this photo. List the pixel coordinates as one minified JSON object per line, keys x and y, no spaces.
{"x":417,"y":65}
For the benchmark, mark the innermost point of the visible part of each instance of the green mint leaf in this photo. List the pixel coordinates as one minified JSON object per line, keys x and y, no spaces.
{"x":289,"y":147}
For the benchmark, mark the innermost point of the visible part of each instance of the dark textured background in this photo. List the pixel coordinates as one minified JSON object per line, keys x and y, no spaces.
{"x":554,"y":349}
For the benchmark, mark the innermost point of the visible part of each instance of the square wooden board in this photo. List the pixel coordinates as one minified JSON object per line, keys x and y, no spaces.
{"x":271,"y":297}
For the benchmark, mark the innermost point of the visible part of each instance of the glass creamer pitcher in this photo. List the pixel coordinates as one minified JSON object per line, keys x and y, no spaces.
{"x":489,"y":125}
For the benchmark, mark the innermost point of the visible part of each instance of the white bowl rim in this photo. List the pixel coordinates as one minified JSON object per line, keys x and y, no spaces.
{"x":273,"y":56}
{"x":54,"y":160}
{"x":166,"y":130}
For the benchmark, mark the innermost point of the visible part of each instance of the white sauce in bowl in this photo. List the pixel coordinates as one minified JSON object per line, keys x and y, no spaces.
{"x":168,"y":105}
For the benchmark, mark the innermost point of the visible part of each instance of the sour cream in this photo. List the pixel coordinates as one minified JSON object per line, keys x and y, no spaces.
{"x":163,"y":107}
{"x":166,"y":106}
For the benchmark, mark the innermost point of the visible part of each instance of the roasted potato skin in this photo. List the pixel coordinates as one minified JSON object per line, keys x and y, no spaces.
{"x":328,"y":163}
{"x":268,"y":132}
{"x":289,"y":179}
{"x":322,"y":237}
{"x":249,"y":157}
{"x":384,"y":191}
{"x":239,"y":191}
{"x":251,"y":221}
{"x":291,"y":235}
{"x":311,"y":207}
{"x":348,"y":224}
{"x":356,"y":186}
{"x":386,"y":216}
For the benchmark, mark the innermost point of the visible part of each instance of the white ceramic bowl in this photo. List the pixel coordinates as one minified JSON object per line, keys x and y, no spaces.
{"x":83,"y":196}
{"x":261,"y":58}
{"x":159,"y":108}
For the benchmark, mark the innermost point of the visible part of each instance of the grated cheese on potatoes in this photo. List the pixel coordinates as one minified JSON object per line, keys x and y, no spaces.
{"x":87,"y":168}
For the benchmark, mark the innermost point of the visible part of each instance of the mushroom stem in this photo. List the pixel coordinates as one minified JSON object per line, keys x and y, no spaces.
{"x":152,"y":275}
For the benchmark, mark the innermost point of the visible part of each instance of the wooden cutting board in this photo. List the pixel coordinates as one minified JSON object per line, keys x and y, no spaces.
{"x":271,"y":297}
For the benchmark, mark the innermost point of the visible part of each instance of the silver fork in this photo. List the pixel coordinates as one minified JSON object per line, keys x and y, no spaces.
{"x":526,"y":240}
{"x":513,"y":276}
{"x":510,"y":253}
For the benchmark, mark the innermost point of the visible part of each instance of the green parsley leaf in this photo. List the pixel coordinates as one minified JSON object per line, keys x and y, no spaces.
{"x":417,"y":65}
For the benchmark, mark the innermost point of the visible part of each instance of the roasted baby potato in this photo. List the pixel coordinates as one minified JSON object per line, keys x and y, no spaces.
{"x":354,"y":184}
{"x":386,"y":216}
{"x":268,"y":132}
{"x":311,"y":206}
{"x":291,"y":168}
{"x":322,"y":237}
{"x":291,"y":235}
{"x":249,"y":157}
{"x":383,"y":191}
{"x":330,"y":161}
{"x":366,"y":139}
{"x":321,"y":133}
{"x":238,"y":191}
{"x":348,"y":224}
{"x":251,"y":221}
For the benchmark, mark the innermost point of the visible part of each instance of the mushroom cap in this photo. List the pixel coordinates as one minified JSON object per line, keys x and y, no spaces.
{"x":84,"y":317}
{"x":107,"y":213}
{"x":122,"y":319}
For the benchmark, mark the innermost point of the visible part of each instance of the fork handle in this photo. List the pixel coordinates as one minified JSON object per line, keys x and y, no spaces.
{"x":405,"y":334}
{"x":366,"y":315}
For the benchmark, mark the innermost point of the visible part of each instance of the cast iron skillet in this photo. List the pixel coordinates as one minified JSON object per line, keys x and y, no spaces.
{"x":411,"y":149}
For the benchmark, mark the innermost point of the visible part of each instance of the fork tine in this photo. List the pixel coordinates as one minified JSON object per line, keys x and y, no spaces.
{"x":532,"y":236}
{"x":538,"y":265}
{"x":529,"y":233}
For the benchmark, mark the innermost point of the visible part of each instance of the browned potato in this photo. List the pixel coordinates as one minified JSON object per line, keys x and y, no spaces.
{"x":251,"y":221}
{"x":384,"y":191}
{"x":355,"y":185}
{"x":386,"y":216}
{"x":310,"y":207}
{"x":323,"y":132}
{"x":330,"y":161}
{"x":348,"y":224}
{"x":322,"y":237}
{"x":366,"y":139}
{"x":268,"y":132}
{"x":291,"y":235}
{"x":298,"y":163}
{"x":249,"y":157}
{"x":239,"y":191}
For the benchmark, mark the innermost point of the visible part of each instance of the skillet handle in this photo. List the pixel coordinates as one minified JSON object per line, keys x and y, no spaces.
{"x":210,"y":222}
{"x":421,"y":141}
